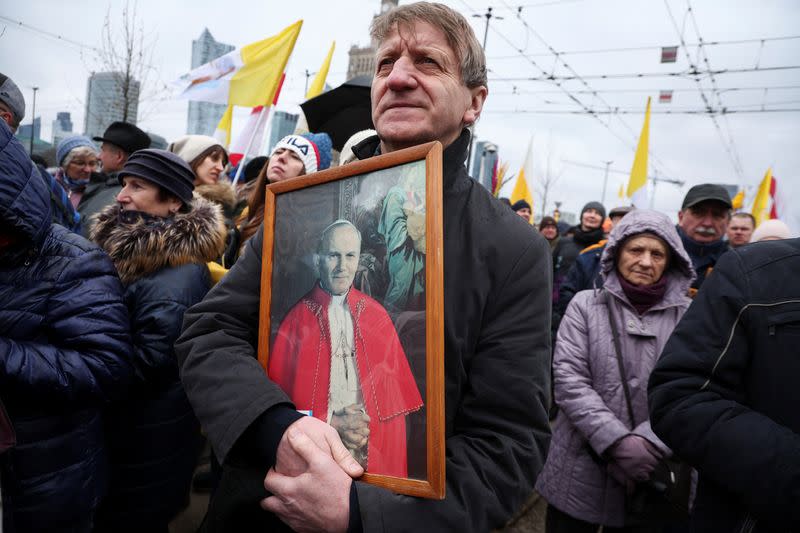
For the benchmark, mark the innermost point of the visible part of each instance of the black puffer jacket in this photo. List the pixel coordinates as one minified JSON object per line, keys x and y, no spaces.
{"x":725,"y":394}
{"x":64,"y":355}
{"x":154,"y":436}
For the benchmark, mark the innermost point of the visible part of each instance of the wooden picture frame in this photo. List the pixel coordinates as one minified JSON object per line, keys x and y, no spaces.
{"x":400,"y":269}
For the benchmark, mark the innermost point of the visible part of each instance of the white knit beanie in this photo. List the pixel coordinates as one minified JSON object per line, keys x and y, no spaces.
{"x":189,"y":147}
{"x":771,"y":228}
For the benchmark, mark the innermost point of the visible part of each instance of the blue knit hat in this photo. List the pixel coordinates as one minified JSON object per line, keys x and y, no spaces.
{"x":324,"y":148}
{"x":69,"y":144}
{"x":314,"y":149}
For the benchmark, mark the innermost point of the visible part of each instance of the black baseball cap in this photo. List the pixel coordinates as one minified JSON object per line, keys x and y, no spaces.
{"x":705,"y":192}
{"x":126,"y":136}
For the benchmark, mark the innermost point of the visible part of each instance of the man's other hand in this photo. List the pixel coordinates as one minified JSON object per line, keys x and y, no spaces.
{"x":290,"y":463}
{"x":316,"y":500}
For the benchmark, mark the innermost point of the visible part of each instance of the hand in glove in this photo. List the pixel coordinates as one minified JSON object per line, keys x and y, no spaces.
{"x":635,"y":456}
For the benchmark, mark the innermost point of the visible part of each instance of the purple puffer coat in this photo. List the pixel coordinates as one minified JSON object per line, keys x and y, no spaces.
{"x":588,"y":389}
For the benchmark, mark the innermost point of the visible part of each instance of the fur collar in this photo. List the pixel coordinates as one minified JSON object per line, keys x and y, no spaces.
{"x":221,"y":193}
{"x":140,"y":249}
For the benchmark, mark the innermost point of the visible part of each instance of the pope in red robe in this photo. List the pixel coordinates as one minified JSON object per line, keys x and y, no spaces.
{"x":300,"y":363}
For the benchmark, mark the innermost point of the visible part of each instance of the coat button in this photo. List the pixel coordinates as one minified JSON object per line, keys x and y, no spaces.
{"x":631,"y":324}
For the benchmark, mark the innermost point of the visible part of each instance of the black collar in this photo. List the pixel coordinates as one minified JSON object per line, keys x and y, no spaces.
{"x":453,"y":158}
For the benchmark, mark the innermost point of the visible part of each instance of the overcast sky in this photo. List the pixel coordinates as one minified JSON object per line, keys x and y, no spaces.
{"x":685,"y":147}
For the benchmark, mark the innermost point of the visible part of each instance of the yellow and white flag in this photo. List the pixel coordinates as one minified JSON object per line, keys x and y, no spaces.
{"x":523,"y":190}
{"x":319,"y":80}
{"x":246,"y":77}
{"x":637,"y":184}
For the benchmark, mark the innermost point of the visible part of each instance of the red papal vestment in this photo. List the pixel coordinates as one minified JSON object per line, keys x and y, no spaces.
{"x":300,"y":363}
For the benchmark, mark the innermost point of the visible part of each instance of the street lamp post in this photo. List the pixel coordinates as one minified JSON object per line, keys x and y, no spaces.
{"x":605,"y":182}
{"x":488,"y":16}
{"x":33,"y":119}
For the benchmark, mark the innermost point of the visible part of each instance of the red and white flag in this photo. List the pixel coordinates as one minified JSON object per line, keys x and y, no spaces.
{"x":253,"y":129}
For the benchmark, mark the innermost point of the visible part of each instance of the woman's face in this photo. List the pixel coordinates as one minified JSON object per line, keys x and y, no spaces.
{"x":81,"y":166}
{"x":284,"y":164}
{"x":139,"y":194}
{"x":209,"y":171}
{"x":643,"y":259}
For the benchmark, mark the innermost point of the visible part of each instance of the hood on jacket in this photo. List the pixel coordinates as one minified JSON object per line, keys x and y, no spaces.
{"x":221,"y":193}
{"x":647,"y":221}
{"x":142,"y":248}
{"x":24,"y":196}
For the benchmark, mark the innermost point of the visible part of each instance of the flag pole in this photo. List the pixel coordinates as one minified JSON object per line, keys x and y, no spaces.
{"x":255,"y":130}
{"x":249,"y":146}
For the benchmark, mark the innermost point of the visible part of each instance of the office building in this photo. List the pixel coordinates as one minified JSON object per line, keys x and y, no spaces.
{"x":283,"y":124}
{"x":24,"y":130}
{"x":204,"y":116}
{"x":62,"y":127}
{"x":484,"y":158}
{"x":107,"y":102}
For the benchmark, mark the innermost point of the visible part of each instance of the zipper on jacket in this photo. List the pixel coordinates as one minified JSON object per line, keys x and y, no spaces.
{"x":748,"y":525}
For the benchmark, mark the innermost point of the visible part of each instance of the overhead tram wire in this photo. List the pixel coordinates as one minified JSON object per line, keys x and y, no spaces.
{"x":59,"y":38}
{"x":693,"y":72}
{"x":702,"y":50}
{"x":726,"y":111}
{"x":586,"y":109}
{"x":646,"y":48}
{"x":627,"y":126}
{"x":657,"y":89}
{"x":706,"y":102}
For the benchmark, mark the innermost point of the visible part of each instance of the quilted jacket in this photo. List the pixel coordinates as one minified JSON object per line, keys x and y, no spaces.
{"x":64,"y":354}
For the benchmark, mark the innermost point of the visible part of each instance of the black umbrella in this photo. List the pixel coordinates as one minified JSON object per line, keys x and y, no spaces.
{"x":342,"y":111}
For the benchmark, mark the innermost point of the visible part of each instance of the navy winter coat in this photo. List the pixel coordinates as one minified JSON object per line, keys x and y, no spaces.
{"x":154,"y":436}
{"x":64,"y":355}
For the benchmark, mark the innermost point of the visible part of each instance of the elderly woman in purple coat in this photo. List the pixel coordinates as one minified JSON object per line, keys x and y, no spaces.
{"x":602,"y":445}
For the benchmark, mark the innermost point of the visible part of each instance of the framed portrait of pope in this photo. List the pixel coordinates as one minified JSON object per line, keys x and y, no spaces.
{"x":351,"y":317}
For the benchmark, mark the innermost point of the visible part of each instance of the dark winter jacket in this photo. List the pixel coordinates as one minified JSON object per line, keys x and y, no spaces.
{"x":567,"y":251}
{"x":154,"y":436}
{"x":497,"y":353}
{"x":725,"y":396}
{"x":101,"y":192}
{"x":704,"y":256}
{"x":64,"y":355}
{"x":583,"y":275}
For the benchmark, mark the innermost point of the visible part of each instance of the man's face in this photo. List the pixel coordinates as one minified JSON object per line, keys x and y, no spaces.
{"x":705,"y":222}
{"x":418,"y":95}
{"x":112,"y":157}
{"x":525,"y":213}
{"x":338,"y":259}
{"x":591,"y":219}
{"x":549,"y":232}
{"x":739,"y":231}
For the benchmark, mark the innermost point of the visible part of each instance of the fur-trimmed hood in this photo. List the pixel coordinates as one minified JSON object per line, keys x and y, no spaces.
{"x":142,"y":248}
{"x":221,"y":193}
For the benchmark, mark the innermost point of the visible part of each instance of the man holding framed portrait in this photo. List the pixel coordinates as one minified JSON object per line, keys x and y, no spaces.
{"x":430,"y":85}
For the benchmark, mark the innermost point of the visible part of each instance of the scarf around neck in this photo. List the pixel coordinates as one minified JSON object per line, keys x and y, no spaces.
{"x":643,"y":297}
{"x":71,"y":184}
{"x":587,"y":238}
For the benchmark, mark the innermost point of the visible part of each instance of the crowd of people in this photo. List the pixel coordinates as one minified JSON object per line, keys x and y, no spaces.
{"x":635,"y":373}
